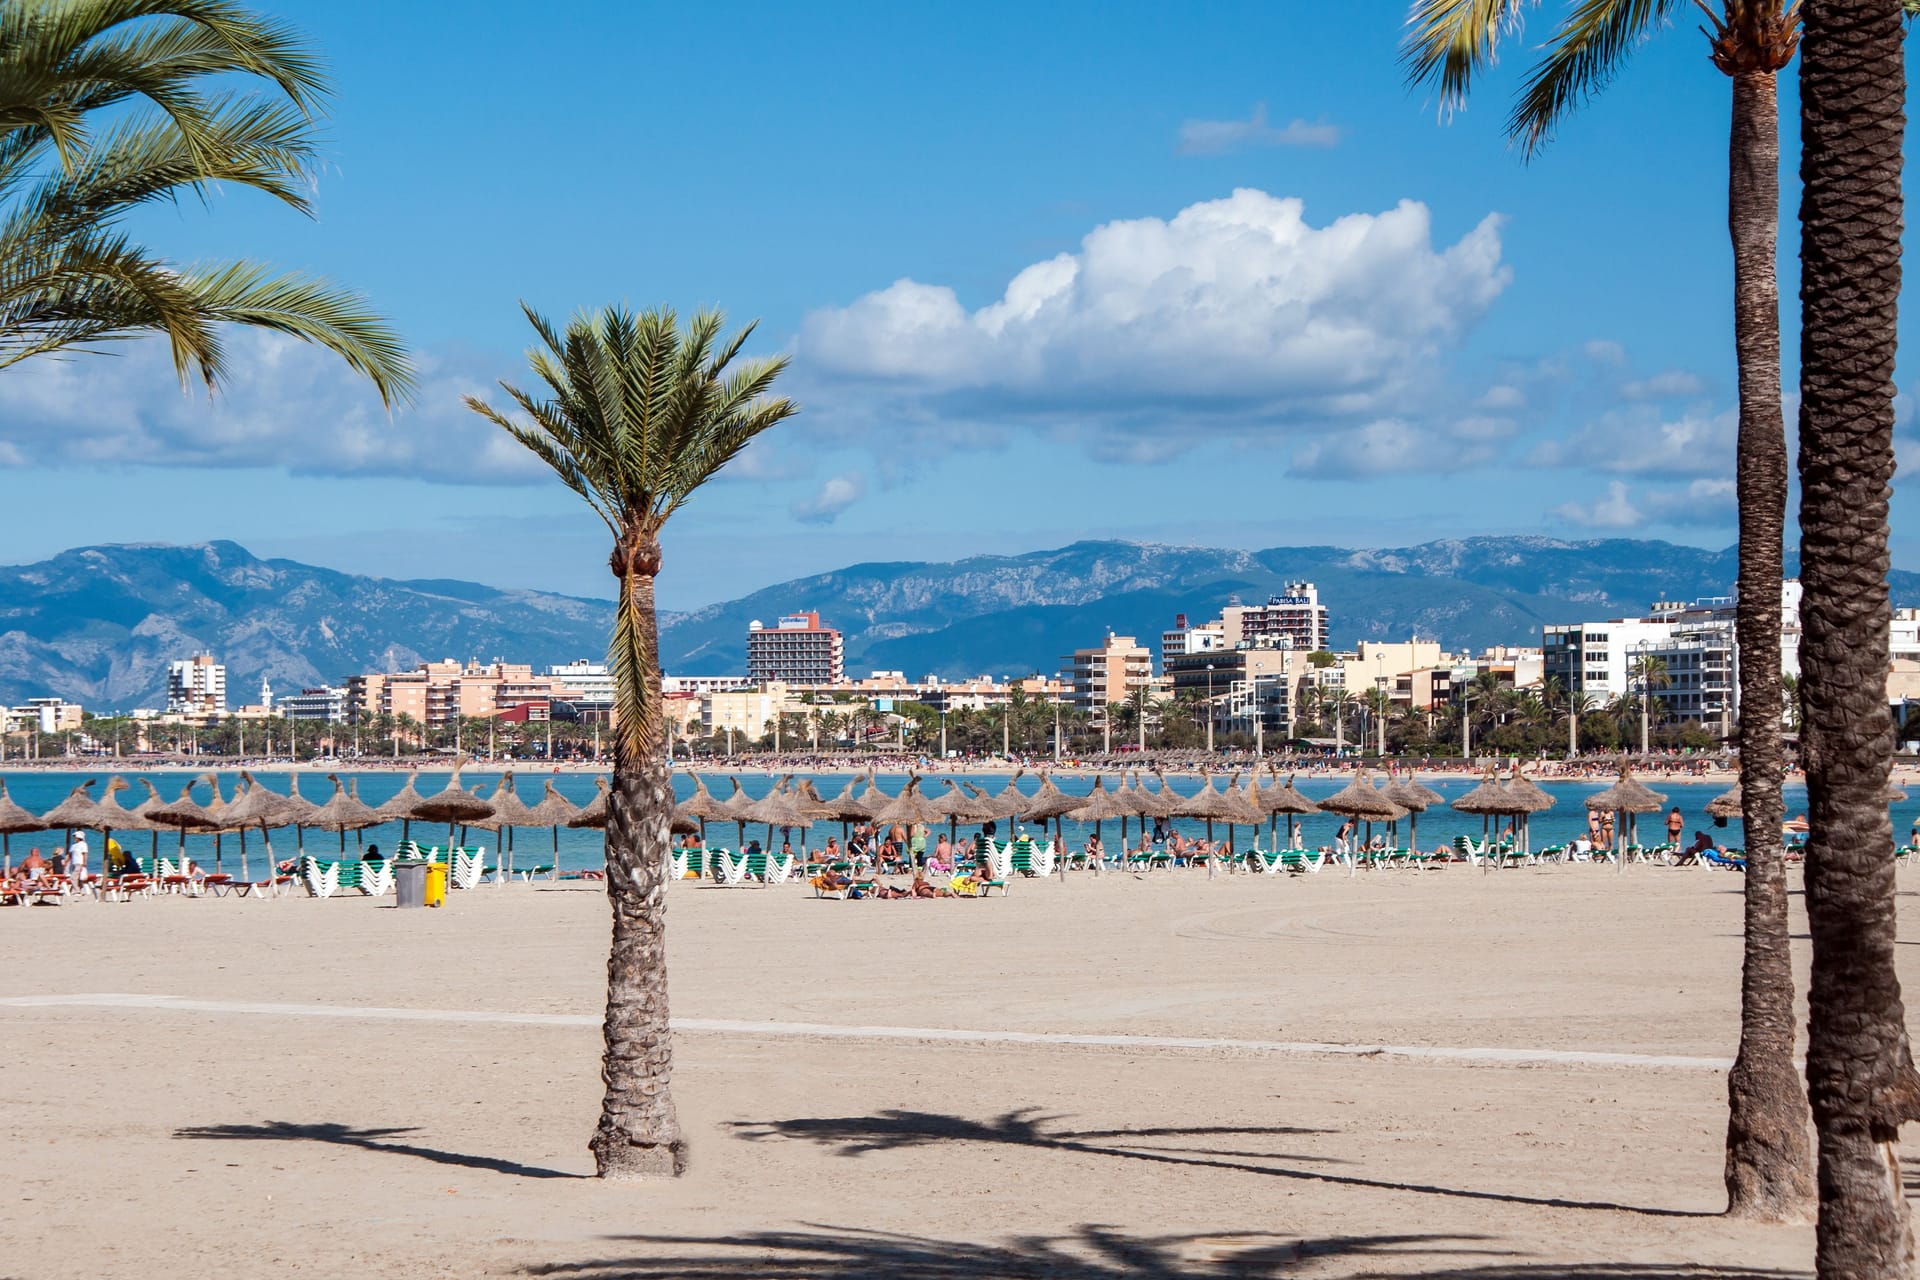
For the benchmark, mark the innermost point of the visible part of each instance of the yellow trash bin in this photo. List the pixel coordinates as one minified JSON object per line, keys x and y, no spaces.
{"x":437,"y":884}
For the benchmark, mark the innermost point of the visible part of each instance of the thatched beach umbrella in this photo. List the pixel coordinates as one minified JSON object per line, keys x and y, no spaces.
{"x":1415,"y":799}
{"x":76,"y":812}
{"x":1526,"y":792}
{"x":1051,"y":804}
{"x":593,"y":815}
{"x":14,"y":821}
{"x":1630,"y":798}
{"x":1361,"y":801}
{"x":1285,"y":798}
{"x":509,"y":811}
{"x":1489,"y":799}
{"x":781,"y":808}
{"x":188,"y":815}
{"x":1099,"y":805}
{"x":700,"y":807}
{"x":403,"y":807}
{"x":451,"y":804}
{"x":1010,"y":802}
{"x":1725,"y":805}
{"x":258,"y":806}
{"x":959,"y":807}
{"x":554,"y":810}
{"x":343,"y":813}
{"x":910,"y":808}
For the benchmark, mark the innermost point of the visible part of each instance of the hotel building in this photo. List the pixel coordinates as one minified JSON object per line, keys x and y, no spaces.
{"x":795,"y":650}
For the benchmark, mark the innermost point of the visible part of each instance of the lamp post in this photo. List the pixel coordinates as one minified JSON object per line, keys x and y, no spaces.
{"x":1209,"y":708}
{"x":1259,"y":723}
{"x":943,"y":728}
{"x":1056,"y":732}
{"x":1006,"y":725}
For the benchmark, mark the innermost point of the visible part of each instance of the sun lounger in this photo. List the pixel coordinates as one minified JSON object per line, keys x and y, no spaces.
{"x":733,"y":867}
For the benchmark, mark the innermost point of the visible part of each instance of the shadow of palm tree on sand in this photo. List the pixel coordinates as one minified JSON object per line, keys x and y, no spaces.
{"x":896,"y":1130}
{"x":367,"y":1140}
{"x":1100,"y":1253}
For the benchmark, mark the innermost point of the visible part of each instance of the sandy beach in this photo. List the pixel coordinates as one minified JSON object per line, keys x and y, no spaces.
{"x":1439,"y":1073}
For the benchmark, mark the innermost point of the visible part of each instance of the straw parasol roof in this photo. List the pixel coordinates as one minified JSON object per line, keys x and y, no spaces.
{"x":1051,"y":802}
{"x":342,"y":813}
{"x":300,"y":810}
{"x":701,"y":806}
{"x":1409,"y":797}
{"x":962,"y":807}
{"x":1144,"y":803}
{"x":258,"y":806}
{"x":509,"y":810}
{"x":13,"y":819}
{"x":186,"y":813}
{"x":809,"y":802}
{"x":1726,"y":805}
{"x":404,"y":807}
{"x":1211,"y":805}
{"x":594,"y":815}
{"x":1525,"y":791}
{"x":1626,"y":796}
{"x":1361,"y":799}
{"x":1895,"y":795}
{"x":452,"y":803}
{"x":1490,"y":797}
{"x":554,"y":809}
{"x":1012,"y":800}
{"x":1101,"y":805}
{"x":847,"y":807}
{"x":77,"y":810}
{"x":780,"y":807}
{"x":910,"y":807}
{"x":109,"y":814}
{"x":1282,"y":798}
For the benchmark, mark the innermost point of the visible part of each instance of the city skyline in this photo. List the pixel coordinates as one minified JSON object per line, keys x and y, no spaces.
{"x":1444,"y":365}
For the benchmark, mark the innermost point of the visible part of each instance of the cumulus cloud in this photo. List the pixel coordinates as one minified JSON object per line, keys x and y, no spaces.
{"x":1613,"y":510}
{"x":1233,"y":314}
{"x":1662,"y":386}
{"x":1502,"y":397}
{"x":1641,"y":440}
{"x":1216,"y":137}
{"x":835,"y":496}
{"x":1705,"y":501}
{"x":287,"y":404}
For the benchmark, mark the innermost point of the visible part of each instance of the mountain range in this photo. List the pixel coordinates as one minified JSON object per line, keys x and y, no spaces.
{"x":99,"y":625}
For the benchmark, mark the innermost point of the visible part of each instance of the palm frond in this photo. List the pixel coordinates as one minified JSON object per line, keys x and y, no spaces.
{"x":1449,"y":41}
{"x":1583,"y":56}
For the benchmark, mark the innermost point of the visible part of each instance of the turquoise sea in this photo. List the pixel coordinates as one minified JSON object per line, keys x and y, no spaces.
{"x":577,"y":850}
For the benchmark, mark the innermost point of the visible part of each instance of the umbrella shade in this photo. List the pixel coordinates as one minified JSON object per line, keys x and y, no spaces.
{"x":1102,"y":805}
{"x":594,"y":816}
{"x":405,"y":806}
{"x":1213,"y":806}
{"x":958,"y":806}
{"x":776,"y":808}
{"x":1725,"y":806}
{"x":1143,"y":803}
{"x":1895,"y":795}
{"x":342,"y":813}
{"x":1283,"y":798}
{"x":300,"y":810}
{"x":1411,"y":798}
{"x":1626,"y":796}
{"x":910,"y":807}
{"x":808,"y":801}
{"x":1490,"y":797}
{"x":186,"y":813}
{"x":1524,"y":791}
{"x":847,"y":807}
{"x":554,"y":810}
{"x":77,"y":810}
{"x":508,"y":809}
{"x":701,"y":806}
{"x":1011,"y":800}
{"x":1361,"y":799}
{"x":111,"y":817}
{"x":13,"y":819}
{"x":259,"y":806}
{"x":452,"y":803}
{"x":683,"y":826}
{"x":738,"y":807}
{"x":1051,"y":802}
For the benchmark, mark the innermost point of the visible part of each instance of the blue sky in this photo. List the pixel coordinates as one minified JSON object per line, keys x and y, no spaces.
{"x":1195,"y":274}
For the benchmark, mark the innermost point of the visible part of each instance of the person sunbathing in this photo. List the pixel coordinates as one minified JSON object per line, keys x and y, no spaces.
{"x":32,"y":867}
{"x":831,"y":880}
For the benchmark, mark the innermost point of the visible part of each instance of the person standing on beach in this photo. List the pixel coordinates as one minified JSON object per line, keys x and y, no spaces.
{"x":1675,"y":825}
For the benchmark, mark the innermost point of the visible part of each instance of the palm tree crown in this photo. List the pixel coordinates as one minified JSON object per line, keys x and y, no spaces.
{"x":68,"y":276}
{"x":635,"y":415}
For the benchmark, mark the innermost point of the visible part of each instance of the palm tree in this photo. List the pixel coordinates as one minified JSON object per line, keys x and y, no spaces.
{"x":1647,"y":673}
{"x":635,"y":415}
{"x":1860,"y":1072}
{"x":1790,"y":706}
{"x":75,"y":163}
{"x":1577,"y":704}
{"x":1751,"y":41}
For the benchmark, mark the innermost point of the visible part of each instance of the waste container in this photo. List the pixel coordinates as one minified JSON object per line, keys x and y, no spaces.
{"x":436,"y":895}
{"x":410,"y":884}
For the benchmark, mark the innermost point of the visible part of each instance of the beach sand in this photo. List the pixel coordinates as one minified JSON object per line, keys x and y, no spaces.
{"x":233,"y":1131}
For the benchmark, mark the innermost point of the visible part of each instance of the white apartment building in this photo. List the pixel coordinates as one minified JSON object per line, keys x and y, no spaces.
{"x":1693,"y":639}
{"x":1185,"y":638}
{"x":1295,"y":618}
{"x":327,"y":704}
{"x":591,"y":681}
{"x":197,"y":686}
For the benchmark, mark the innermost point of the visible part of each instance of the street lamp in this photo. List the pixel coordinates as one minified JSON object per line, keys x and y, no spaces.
{"x":943,"y":727}
{"x":1380,"y":706}
{"x":1209,"y":708}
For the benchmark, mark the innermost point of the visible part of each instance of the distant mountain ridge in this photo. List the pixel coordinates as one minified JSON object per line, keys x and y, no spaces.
{"x":99,"y":624}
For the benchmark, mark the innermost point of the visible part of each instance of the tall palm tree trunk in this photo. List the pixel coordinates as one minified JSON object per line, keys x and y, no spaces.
{"x":639,"y":1131}
{"x":1769,"y":1169}
{"x":1859,"y":1072}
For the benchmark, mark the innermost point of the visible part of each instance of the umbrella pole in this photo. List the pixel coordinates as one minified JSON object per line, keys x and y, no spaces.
{"x":243,"y":853}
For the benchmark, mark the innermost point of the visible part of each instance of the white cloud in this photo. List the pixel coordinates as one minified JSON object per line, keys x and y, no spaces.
{"x":287,"y":405}
{"x":1502,"y":397}
{"x":1673,"y":383}
{"x":835,"y":496}
{"x":1393,"y":446}
{"x":1705,"y":501}
{"x":1232,"y":315}
{"x":1216,"y":137}
{"x":1605,"y":351}
{"x":1613,"y":510}
{"x":1642,"y":441}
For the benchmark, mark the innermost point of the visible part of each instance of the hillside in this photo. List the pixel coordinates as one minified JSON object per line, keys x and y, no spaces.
{"x":99,"y":624}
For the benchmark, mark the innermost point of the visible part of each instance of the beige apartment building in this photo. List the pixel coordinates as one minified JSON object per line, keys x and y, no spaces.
{"x":1098,"y":678}
{"x":434,"y":693}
